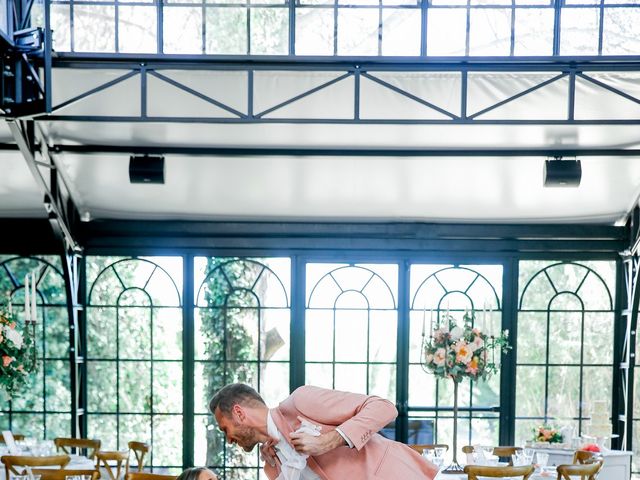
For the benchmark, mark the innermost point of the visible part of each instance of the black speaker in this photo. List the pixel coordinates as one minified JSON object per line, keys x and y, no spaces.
{"x":146,"y":169}
{"x":562,"y":173}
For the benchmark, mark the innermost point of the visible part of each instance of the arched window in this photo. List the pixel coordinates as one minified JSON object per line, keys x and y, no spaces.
{"x":351,"y":323}
{"x":134,"y":354}
{"x":43,"y":409}
{"x":565,"y":343}
{"x":242,"y":334}
{"x":437,"y":291}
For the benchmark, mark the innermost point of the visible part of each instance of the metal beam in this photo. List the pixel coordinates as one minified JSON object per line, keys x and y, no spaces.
{"x":370,"y":237}
{"x":346,"y":152}
{"x":343,"y":69}
{"x":59,"y":214}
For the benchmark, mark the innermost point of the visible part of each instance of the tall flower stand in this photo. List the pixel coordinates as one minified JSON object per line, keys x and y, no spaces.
{"x":455,"y":467}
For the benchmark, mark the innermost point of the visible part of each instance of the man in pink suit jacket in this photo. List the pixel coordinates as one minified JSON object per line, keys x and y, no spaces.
{"x":343,"y":418}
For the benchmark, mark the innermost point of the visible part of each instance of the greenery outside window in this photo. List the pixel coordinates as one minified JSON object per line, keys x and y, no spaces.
{"x":134,"y":354}
{"x":43,"y":410}
{"x":565,"y":339}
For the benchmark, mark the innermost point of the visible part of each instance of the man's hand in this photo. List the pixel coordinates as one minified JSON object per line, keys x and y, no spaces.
{"x":316,"y":445}
{"x":268,"y":452}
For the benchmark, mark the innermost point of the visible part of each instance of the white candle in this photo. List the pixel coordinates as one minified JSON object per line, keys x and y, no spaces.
{"x":431,"y":322}
{"x":26,"y":298}
{"x":9,"y":302}
{"x":446,"y":319}
{"x":424,"y":315}
{"x":484,"y":315}
{"x":34,"y":314}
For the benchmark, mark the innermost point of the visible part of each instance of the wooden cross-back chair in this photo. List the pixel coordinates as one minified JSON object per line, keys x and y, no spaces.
{"x":587,"y":471}
{"x":147,"y":476}
{"x":584,"y":456}
{"x":501,"y":452}
{"x":475,"y":471}
{"x":427,"y":446}
{"x":140,"y":450}
{"x":62,"y":474}
{"x":16,"y":436}
{"x":69,"y":444}
{"x":12,"y":462}
{"x":110,"y":460}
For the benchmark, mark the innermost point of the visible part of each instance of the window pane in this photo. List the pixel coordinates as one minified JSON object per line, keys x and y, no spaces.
{"x":137,"y":29}
{"x":358,"y":32}
{"x":579,"y":34}
{"x":94,"y":28}
{"x":401,"y":32}
{"x":532,"y":336}
{"x":61,"y":27}
{"x":182,"y":29}
{"x":446,"y":32}
{"x":620,"y":31}
{"x":314,"y":31}
{"x":533,"y":31}
{"x":269,"y":31}
{"x":227,"y":31}
{"x":490,"y":31}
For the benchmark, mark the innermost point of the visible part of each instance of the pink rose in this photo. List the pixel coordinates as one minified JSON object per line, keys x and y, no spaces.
{"x":6,"y":360}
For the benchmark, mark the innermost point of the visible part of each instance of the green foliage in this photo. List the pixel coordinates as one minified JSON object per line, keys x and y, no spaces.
{"x":16,"y":355}
{"x":226,"y":338}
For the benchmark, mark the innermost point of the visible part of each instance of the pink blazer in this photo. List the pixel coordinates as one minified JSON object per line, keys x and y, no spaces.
{"x":359,"y":417}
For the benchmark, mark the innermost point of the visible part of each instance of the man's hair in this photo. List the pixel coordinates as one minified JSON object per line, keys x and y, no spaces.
{"x":191,"y":473}
{"x":235,"y":394}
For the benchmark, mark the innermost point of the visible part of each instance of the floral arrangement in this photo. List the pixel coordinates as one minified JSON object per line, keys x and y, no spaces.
{"x":15,"y":355}
{"x":457,"y":352}
{"x":544,"y":433}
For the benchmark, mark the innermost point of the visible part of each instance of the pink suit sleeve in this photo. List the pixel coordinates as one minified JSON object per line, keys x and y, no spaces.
{"x":358,"y":416}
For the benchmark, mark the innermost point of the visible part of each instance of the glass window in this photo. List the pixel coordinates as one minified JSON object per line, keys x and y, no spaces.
{"x":351,"y":323}
{"x":134,"y":354}
{"x":436,"y":291}
{"x":565,"y":344}
{"x":242,"y":334}
{"x":43,"y":409}
{"x":499,"y":28}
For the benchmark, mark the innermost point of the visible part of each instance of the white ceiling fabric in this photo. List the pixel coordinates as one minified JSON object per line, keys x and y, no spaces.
{"x":471,"y":189}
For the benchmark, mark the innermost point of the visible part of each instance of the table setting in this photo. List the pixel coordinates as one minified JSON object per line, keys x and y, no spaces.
{"x":483,"y":456}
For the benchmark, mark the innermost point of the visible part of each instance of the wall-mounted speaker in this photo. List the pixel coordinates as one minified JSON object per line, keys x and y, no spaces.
{"x":562,"y":173}
{"x":146,"y":169}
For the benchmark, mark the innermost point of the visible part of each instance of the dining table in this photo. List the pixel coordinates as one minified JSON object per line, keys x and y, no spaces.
{"x":549,"y":473}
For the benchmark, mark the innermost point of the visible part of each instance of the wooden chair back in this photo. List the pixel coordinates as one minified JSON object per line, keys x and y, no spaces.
{"x":584,"y":456}
{"x":67,"y":445}
{"x":62,"y":474}
{"x":428,"y":446}
{"x":16,"y":436}
{"x":475,"y":471}
{"x":587,"y":471}
{"x":13,"y":461}
{"x":148,"y":476}
{"x":140,"y":450}
{"x":502,"y":452}
{"x":109,"y":460}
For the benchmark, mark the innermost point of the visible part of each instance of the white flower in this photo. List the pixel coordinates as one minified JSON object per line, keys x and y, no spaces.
{"x":456,"y":333}
{"x":13,"y":335}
